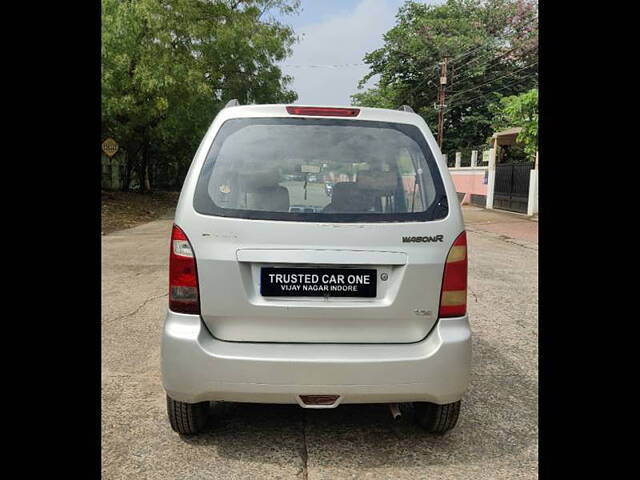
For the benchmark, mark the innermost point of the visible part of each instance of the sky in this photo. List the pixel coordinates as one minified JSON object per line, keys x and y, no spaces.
{"x":335,"y":32}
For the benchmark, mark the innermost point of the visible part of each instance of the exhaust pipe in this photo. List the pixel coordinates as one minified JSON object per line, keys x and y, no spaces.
{"x":395,"y":411}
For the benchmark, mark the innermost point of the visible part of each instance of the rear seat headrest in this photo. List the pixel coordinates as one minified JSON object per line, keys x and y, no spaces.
{"x":377,"y":182}
{"x":257,"y":180}
{"x":347,"y":197}
{"x":274,"y":199}
{"x":342,"y":191}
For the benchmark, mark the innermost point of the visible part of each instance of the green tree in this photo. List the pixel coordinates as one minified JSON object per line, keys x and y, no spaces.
{"x":491,"y":47}
{"x":520,"y":111}
{"x":168,"y":67}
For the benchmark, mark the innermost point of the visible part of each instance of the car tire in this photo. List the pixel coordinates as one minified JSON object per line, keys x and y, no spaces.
{"x":187,"y":418}
{"x":436,"y":418}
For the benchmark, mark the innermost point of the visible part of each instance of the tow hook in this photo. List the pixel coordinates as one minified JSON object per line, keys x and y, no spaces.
{"x":395,"y":411}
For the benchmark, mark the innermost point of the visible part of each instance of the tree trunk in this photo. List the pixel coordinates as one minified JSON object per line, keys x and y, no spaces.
{"x":147,"y":181}
{"x":143,"y":169}
{"x":131,"y":166}
{"x":142,"y":166}
{"x":140,"y":174}
{"x":150,"y":168}
{"x":126,"y":177}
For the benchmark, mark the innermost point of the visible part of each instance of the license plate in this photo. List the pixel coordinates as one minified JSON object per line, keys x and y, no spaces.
{"x":317,"y":282}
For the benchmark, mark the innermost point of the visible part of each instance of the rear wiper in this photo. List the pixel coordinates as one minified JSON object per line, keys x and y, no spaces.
{"x":413,"y":199}
{"x":306,"y":179}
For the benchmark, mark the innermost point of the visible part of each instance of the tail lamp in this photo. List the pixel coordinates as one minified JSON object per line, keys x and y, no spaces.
{"x":324,"y":111}
{"x":453,"y":298}
{"x":183,"y":276}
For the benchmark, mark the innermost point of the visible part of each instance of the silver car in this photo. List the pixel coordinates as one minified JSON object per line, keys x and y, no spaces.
{"x":360,"y":297}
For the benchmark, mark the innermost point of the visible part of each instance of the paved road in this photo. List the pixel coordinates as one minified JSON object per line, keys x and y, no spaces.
{"x":496,"y":437}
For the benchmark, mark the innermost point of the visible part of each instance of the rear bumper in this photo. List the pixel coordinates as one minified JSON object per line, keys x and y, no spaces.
{"x":197,"y":367}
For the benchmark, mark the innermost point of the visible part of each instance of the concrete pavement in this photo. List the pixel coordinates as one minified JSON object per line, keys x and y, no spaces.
{"x":513,"y":226}
{"x":496,"y":436}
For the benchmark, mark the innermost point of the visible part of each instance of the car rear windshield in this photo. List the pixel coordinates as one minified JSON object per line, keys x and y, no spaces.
{"x":320,"y":170}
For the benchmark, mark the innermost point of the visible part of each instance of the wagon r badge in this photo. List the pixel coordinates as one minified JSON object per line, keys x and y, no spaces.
{"x":437,"y":238}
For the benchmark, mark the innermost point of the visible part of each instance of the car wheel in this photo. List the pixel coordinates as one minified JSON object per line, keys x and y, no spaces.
{"x":436,"y":418}
{"x":187,"y":418}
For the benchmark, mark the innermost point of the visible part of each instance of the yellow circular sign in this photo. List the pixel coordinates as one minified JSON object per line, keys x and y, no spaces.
{"x":110,"y":147}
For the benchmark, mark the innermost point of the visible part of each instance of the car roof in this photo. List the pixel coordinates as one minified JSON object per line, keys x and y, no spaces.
{"x":279,"y":110}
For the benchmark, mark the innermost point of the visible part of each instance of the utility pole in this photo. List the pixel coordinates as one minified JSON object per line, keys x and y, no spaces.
{"x":441,"y":96}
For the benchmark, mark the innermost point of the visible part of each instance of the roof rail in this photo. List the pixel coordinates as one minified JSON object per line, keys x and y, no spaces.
{"x":406,"y":108}
{"x":232,"y":103}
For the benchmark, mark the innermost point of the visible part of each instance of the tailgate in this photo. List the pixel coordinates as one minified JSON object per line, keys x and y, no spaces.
{"x":369,"y":296}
